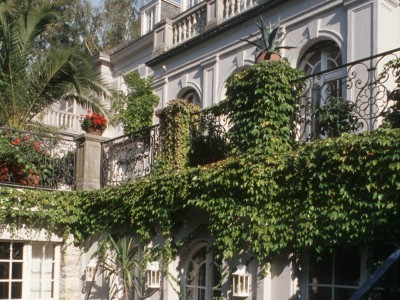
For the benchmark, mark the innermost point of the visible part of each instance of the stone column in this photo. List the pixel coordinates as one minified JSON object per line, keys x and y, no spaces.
{"x":88,"y":162}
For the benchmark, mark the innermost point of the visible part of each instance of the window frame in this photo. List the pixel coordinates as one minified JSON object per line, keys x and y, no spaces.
{"x":319,"y":92}
{"x":209,"y":261}
{"x":308,"y":284}
{"x":27,"y":262}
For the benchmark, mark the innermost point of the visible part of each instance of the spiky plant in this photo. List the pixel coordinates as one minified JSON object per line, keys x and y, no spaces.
{"x":270,"y":41}
{"x":120,"y":259}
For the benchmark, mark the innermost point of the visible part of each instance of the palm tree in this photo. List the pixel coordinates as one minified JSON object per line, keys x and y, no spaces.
{"x":33,"y":78}
{"x":121,"y":260}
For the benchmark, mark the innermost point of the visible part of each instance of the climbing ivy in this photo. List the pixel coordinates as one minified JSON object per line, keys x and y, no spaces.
{"x":261,"y":102}
{"x":265,"y":198}
{"x":330,"y":192}
{"x":175,"y":134}
{"x":135,"y":110}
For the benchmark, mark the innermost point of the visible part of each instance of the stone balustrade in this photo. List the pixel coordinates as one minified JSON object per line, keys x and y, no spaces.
{"x":235,"y":7}
{"x":196,"y":20}
{"x":191,"y":25}
{"x":63,"y":120}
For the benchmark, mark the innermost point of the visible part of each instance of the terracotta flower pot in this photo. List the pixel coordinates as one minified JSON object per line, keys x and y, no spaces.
{"x":95,"y":131}
{"x":265,"y":56}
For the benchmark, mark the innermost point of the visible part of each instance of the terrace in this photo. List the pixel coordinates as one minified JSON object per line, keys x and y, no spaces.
{"x":52,"y":161}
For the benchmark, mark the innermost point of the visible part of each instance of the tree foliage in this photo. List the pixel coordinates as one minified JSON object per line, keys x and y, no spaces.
{"x":33,"y":78}
{"x":90,"y":28}
{"x":136,"y":109}
{"x":121,"y":19}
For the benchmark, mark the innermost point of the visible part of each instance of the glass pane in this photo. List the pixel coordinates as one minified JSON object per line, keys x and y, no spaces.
{"x":321,"y":268}
{"x":4,"y":270}
{"x":195,"y":294}
{"x":17,"y":251}
{"x":347,"y":267}
{"x":16,"y":270}
{"x":196,"y":273}
{"x":49,"y":252}
{"x":3,"y":290}
{"x":200,"y":276}
{"x":344,"y":294}
{"x":16,"y":290}
{"x":320,"y":293}
{"x":4,"y":250}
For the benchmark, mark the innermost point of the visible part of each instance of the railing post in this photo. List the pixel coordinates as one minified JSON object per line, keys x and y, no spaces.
{"x":88,"y":161}
{"x":163,"y":37}
{"x":215,"y":13}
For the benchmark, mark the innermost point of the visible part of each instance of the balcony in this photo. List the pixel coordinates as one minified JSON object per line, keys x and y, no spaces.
{"x":360,"y":83}
{"x":196,"y":20}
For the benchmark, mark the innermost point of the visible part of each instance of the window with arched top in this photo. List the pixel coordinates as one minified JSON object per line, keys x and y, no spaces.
{"x":203,"y":277}
{"x":192,"y":96}
{"x":320,"y":60}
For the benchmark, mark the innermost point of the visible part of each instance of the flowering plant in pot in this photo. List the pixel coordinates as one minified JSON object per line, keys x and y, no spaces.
{"x":94,"y":123}
{"x":270,"y":43}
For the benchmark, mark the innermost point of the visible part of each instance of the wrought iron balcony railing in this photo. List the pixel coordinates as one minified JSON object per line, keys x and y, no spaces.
{"x":360,"y":83}
{"x":36,"y":160}
{"x":129,"y":157}
{"x":209,"y":141}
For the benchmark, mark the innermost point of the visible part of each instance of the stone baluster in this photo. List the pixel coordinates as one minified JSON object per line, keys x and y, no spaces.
{"x":184,"y":30}
{"x":190,"y":34}
{"x":238,"y":4}
{"x":231,"y":8}
{"x":175,"y":35}
{"x":179,"y":40}
{"x":226,"y":14}
{"x":195,"y":24}
{"x":201,"y":20}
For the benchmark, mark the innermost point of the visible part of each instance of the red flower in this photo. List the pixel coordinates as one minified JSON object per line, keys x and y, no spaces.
{"x":94,"y":120}
{"x":16,"y":142}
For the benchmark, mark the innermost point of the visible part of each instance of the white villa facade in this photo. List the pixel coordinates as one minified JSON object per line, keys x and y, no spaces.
{"x":191,"y":49}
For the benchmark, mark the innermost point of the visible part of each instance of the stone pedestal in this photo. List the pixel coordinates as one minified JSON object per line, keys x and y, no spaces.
{"x":88,"y":162}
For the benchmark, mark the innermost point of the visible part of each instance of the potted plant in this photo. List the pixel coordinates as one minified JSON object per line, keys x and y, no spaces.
{"x":94,"y":123}
{"x":269,"y":44}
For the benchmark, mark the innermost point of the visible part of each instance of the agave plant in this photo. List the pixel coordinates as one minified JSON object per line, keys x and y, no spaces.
{"x":270,"y":41}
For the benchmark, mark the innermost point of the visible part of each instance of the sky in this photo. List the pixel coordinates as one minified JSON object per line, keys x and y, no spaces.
{"x":95,"y":2}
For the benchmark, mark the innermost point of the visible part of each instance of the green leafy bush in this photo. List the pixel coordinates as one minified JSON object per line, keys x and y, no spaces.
{"x":336,"y":117}
{"x":24,"y":157}
{"x":392,"y":114}
{"x":262,"y":102}
{"x":136,"y":109}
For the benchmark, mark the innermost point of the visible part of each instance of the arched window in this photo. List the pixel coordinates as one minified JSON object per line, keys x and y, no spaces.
{"x":203,"y":277}
{"x":321,"y":57}
{"x":192,"y":96}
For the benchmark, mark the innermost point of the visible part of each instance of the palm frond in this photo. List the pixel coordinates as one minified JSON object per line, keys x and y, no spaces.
{"x":33,"y":81}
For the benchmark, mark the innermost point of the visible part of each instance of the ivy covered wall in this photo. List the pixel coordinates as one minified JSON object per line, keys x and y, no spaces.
{"x":329,"y":192}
